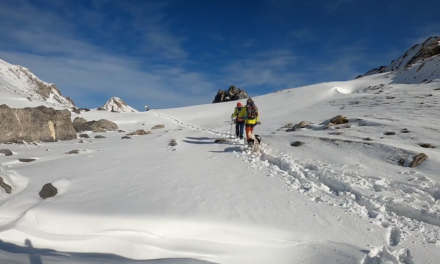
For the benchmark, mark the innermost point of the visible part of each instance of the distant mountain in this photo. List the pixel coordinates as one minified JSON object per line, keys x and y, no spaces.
{"x":22,"y":82}
{"x":116,"y":104}
{"x":419,"y":63}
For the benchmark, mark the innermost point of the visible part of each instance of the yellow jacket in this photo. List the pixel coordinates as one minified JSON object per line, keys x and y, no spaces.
{"x":243,"y":115}
{"x":236,"y":113}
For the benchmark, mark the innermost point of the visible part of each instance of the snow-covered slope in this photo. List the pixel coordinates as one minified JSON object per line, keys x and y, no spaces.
{"x":117,"y":105}
{"x":419,"y":63}
{"x":24,"y":85}
{"x":341,"y":197}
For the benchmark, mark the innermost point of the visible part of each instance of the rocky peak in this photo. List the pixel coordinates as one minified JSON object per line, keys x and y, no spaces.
{"x":419,"y":53}
{"x":20,"y":80}
{"x":116,"y":104}
{"x":232,"y":94}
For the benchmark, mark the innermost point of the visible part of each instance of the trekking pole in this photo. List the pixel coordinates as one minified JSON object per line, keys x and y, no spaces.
{"x":230,"y":134}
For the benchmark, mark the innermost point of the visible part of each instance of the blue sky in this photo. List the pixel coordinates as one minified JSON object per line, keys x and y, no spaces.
{"x":180,"y":52}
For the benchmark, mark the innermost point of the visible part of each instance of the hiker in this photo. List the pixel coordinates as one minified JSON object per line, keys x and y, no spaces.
{"x":249,"y":114}
{"x":239,"y":122}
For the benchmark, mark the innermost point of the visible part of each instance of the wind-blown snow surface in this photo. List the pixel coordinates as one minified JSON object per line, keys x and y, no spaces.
{"x":336,"y":199}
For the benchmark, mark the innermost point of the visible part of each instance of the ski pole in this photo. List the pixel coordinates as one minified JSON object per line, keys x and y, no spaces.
{"x":230,"y":134}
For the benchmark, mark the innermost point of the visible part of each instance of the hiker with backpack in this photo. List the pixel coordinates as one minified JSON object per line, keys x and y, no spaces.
{"x":239,"y":122}
{"x":249,"y":114}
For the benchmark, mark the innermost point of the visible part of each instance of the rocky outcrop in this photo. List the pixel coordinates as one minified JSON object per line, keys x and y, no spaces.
{"x":35,"y":124}
{"x":232,"y":94}
{"x":116,"y":104}
{"x":48,"y":191}
{"x":102,"y":125}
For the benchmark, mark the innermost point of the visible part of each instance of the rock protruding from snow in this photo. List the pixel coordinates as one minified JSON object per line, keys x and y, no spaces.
{"x":6,"y":152}
{"x":22,"y":81}
{"x":139,"y":132}
{"x":117,"y":105}
{"x":232,"y":94}
{"x":5,"y":186}
{"x":35,"y":124}
{"x":48,"y":191}
{"x":158,"y":127}
{"x":429,"y":49}
{"x":418,"y":159}
{"x":338,"y":120}
{"x":102,"y":125}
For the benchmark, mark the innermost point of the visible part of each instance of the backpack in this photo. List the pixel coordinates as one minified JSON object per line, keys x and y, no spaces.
{"x":251,"y":111}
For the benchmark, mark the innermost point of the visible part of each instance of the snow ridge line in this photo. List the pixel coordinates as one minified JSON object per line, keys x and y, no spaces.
{"x":351,"y":191}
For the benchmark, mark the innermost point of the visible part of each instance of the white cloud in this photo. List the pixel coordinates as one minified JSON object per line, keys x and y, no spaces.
{"x":83,"y":70}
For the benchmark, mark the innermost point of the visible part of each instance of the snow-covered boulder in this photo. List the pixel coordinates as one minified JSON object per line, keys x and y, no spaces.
{"x":116,"y":104}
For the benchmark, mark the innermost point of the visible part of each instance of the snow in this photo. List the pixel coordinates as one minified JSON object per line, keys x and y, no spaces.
{"x":337,"y":199}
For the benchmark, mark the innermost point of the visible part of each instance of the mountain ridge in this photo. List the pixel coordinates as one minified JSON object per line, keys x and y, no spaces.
{"x":21,"y":81}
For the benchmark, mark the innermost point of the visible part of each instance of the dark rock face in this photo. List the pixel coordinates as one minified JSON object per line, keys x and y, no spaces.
{"x":126,"y":137}
{"x":418,"y":160}
{"x":84,"y":136}
{"x":390,"y":133}
{"x":6,"y":187}
{"x":99,"y":136}
{"x":6,"y":152}
{"x":102,"y":125}
{"x":48,"y":190}
{"x":35,"y":124}
{"x":75,"y":151}
{"x":232,"y":94}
